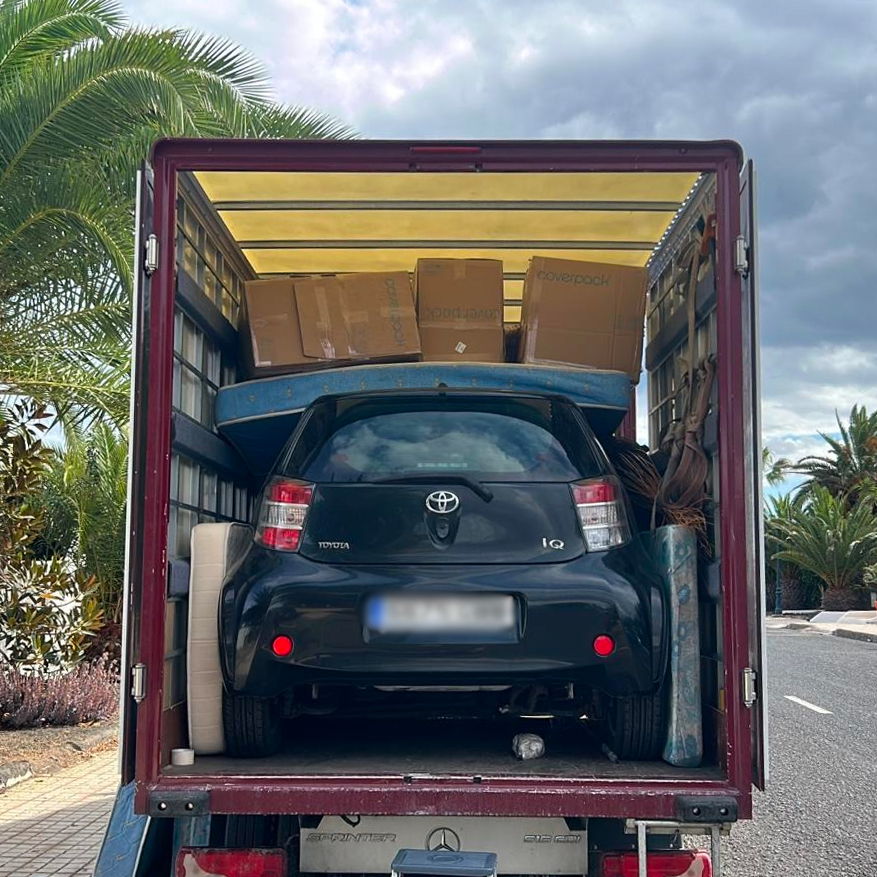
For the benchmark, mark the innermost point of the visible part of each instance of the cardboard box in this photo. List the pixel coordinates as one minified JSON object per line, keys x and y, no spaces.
{"x":584,"y":314}
{"x":315,"y":322}
{"x":269,"y":334}
{"x":460,"y":309}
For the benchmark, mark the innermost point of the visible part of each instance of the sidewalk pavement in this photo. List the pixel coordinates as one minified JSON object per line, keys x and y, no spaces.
{"x":848,"y":625}
{"x":52,"y":826}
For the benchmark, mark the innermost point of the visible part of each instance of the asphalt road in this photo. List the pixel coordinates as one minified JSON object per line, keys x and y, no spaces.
{"x":819,"y":815}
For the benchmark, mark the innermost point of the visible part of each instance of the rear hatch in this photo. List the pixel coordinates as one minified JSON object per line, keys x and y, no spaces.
{"x":443,"y":478}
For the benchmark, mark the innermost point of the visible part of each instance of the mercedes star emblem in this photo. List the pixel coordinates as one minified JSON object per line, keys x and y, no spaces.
{"x":443,"y":840}
{"x":442,"y":502}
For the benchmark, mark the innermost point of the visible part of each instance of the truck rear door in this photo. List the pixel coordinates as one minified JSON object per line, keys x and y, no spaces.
{"x":745,"y":262}
{"x":143,"y":256}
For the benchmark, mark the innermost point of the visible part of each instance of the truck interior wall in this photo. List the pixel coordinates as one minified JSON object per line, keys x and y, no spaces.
{"x":667,"y":357}
{"x":208,"y":480}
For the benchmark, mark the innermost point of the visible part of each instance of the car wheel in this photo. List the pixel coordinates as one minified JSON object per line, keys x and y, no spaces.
{"x":635,"y":727}
{"x":251,"y":724}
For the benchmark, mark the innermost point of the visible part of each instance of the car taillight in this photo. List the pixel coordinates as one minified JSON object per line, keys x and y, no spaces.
{"x":282,"y":513}
{"x":197,"y":862}
{"x":602,"y":514}
{"x":669,"y":863}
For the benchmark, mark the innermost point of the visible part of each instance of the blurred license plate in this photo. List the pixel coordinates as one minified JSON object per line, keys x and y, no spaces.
{"x":441,"y":614}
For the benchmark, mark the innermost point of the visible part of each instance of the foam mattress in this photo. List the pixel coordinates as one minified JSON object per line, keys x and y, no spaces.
{"x":258,"y":416}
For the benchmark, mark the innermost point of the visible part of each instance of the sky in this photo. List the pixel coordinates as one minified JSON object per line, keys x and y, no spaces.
{"x":794,"y":81}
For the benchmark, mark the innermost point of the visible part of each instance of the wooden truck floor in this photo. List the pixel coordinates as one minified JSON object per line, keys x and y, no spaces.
{"x":401,"y":747}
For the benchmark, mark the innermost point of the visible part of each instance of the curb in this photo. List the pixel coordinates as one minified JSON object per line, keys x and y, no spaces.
{"x":14,"y":772}
{"x":861,"y":635}
{"x":800,"y":625}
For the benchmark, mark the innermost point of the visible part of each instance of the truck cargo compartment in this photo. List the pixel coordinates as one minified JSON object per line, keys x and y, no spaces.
{"x":204,"y":437}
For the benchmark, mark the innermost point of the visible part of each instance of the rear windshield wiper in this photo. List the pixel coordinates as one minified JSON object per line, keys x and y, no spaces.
{"x":476,"y":487}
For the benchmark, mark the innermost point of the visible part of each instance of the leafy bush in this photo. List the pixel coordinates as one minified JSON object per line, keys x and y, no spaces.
{"x":47,"y":609}
{"x":88,"y":693}
{"x":83,"y":501}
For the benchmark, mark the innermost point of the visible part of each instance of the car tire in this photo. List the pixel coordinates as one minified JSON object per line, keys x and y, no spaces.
{"x":634,"y":728}
{"x":251,"y":725}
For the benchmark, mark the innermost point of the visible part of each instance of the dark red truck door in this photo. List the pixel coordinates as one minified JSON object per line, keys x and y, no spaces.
{"x":144,"y":242}
{"x":745,"y":261}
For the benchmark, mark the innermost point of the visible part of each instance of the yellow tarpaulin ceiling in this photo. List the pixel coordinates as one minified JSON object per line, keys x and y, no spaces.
{"x":301,"y":223}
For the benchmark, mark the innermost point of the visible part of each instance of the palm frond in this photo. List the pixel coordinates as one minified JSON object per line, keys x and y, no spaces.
{"x":31,"y":29}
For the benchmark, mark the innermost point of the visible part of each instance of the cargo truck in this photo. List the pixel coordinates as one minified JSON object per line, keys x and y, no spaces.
{"x":214,"y":214}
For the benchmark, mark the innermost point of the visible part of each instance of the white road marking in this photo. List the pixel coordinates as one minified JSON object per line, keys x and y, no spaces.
{"x":810,"y":706}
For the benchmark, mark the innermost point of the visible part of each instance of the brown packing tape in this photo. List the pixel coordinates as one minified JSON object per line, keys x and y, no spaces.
{"x":530,"y":323}
{"x":324,"y":322}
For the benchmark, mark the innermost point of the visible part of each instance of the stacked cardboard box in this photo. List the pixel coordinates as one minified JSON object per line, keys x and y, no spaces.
{"x":460,"y":309}
{"x":574,"y":313}
{"x":313,"y":322}
{"x":583,"y":314}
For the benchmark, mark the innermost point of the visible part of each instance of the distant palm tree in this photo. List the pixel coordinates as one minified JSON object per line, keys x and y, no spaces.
{"x":793,"y":592}
{"x":82,"y":96}
{"x":774,"y":468}
{"x":850,"y":467}
{"x":831,"y":538}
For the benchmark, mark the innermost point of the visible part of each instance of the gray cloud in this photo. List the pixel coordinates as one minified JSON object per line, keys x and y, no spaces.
{"x":794,"y":82}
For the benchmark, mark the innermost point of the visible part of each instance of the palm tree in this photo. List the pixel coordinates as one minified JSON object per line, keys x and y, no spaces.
{"x":793,"y":592}
{"x":832,"y":539}
{"x":850,"y":467}
{"x":82,"y":96}
{"x":774,"y":468}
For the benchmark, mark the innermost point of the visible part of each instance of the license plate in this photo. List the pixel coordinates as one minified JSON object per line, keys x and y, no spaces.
{"x":470,"y":614}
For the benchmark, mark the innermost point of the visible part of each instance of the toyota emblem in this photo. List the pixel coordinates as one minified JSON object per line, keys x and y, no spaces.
{"x":442,"y":502}
{"x":443,"y":840}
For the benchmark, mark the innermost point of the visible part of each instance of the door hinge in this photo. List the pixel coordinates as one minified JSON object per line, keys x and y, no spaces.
{"x":750,"y":693}
{"x":741,"y":255}
{"x":138,"y":682}
{"x":150,"y":255}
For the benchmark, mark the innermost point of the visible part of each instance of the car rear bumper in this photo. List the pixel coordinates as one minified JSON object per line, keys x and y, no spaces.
{"x":562,"y":607}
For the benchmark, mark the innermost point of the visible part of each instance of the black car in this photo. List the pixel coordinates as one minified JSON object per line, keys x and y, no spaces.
{"x":450,"y":552}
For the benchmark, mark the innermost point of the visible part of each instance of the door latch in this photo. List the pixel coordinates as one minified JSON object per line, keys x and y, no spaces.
{"x":150,"y":255}
{"x":750,"y":692}
{"x":138,"y":682}
{"x":741,"y":255}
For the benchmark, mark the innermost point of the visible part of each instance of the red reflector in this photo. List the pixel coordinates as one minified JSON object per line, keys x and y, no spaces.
{"x":604,"y":645}
{"x":193,"y":862}
{"x":282,"y":646}
{"x":290,"y":491}
{"x":673,"y":863}
{"x":593,"y":491}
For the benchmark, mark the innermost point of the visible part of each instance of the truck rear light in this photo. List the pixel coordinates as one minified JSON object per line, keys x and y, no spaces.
{"x":602,"y":513}
{"x":282,"y":513}
{"x":198,"y":862}
{"x":669,"y":863}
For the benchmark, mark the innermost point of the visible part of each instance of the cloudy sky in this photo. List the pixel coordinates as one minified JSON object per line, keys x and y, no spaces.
{"x":795,"y":81}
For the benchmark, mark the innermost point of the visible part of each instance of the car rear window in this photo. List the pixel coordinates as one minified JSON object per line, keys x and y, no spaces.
{"x":486,"y":439}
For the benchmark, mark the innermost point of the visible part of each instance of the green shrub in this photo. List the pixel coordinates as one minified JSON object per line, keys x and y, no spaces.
{"x":47,"y":609}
